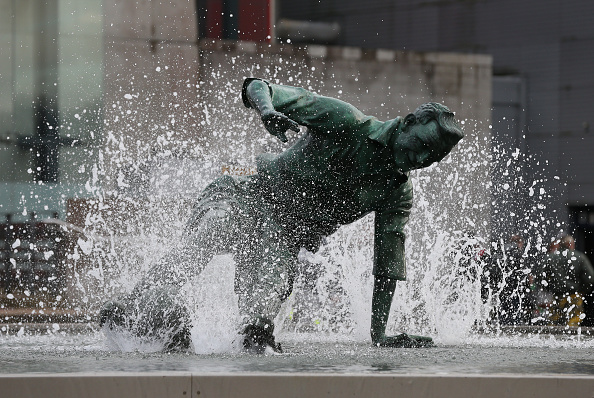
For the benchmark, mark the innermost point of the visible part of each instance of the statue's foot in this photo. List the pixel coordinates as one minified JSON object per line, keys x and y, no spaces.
{"x":405,"y":341}
{"x":154,"y":314}
{"x":259,"y":337}
{"x":112,"y":314}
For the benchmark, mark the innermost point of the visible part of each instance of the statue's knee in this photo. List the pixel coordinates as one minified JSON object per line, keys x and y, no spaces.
{"x":216,"y":227}
{"x":214,"y":217}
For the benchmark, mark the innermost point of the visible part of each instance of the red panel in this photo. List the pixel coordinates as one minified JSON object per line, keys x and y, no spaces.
{"x":214,"y":19}
{"x":254,"y":20}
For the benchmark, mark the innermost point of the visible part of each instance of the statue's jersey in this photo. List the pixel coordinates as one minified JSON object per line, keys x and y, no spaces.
{"x":340,"y":170}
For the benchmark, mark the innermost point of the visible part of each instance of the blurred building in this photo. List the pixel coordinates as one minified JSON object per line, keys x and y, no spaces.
{"x":51,"y":74}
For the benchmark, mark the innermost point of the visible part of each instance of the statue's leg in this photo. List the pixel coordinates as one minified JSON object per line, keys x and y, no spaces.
{"x":264,"y":279}
{"x":155,"y":308}
{"x":210,"y":231}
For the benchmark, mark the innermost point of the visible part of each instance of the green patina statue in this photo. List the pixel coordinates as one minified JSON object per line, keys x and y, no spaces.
{"x":344,"y":167}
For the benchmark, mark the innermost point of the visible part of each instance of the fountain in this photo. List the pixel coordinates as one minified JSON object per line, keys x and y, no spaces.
{"x":142,"y":187}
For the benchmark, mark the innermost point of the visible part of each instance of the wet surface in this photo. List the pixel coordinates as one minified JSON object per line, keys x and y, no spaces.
{"x":86,"y":352}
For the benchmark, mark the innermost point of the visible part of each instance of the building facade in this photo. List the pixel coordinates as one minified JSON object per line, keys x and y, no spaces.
{"x":542,"y":92}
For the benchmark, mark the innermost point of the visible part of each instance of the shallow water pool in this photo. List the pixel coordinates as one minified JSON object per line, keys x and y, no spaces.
{"x":64,"y":352}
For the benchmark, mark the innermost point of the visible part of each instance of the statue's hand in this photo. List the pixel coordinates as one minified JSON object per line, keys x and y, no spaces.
{"x":277,"y":124}
{"x":404,"y":341}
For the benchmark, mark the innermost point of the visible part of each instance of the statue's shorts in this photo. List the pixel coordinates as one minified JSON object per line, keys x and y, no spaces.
{"x":231,"y":217}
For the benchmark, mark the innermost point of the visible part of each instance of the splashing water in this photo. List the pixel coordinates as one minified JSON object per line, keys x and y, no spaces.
{"x":332,"y":296}
{"x":143,"y":191}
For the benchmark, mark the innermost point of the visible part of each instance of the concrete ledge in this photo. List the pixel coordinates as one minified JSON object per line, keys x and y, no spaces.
{"x":97,"y":385}
{"x":337,"y":53}
{"x":178,"y":384}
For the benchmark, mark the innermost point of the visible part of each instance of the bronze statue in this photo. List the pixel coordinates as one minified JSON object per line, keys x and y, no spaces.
{"x":344,"y":167}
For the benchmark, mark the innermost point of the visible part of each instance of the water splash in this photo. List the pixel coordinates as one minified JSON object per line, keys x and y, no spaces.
{"x":333,"y":294}
{"x":143,"y":186}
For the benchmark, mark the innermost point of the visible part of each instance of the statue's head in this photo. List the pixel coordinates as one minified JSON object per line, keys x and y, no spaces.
{"x":426,"y":136}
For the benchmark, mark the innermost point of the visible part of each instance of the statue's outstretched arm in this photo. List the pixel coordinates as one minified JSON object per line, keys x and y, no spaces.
{"x":258,"y":95}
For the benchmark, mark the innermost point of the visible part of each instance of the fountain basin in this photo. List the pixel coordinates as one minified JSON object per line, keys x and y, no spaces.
{"x":67,"y":363}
